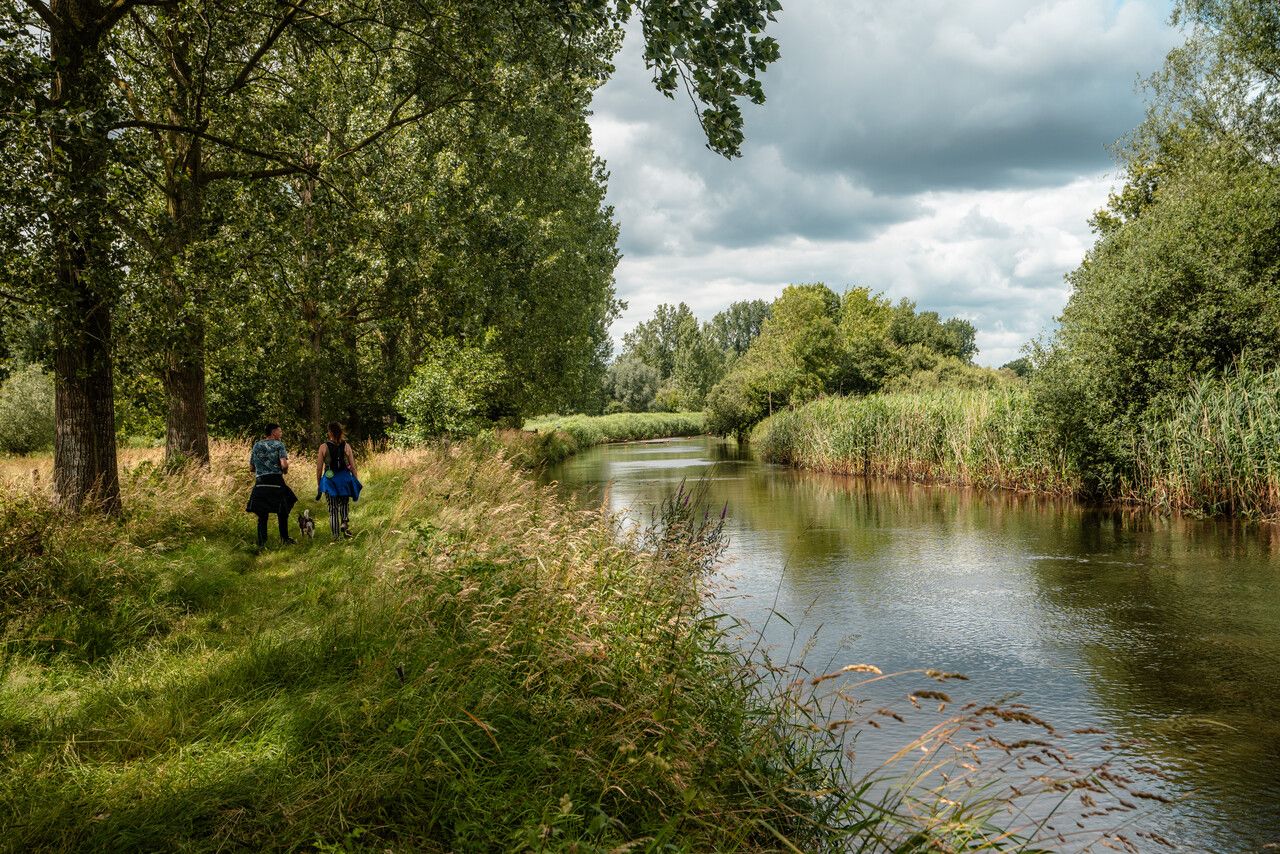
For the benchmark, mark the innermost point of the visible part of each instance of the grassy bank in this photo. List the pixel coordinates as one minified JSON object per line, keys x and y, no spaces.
{"x":961,"y":436}
{"x":481,"y":669}
{"x":551,"y":438}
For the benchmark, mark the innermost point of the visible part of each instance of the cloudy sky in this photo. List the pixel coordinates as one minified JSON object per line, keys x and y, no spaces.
{"x":950,"y":153}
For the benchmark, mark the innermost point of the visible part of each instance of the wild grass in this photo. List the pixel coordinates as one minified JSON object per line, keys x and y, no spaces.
{"x":482,"y":668}
{"x":588,"y":430}
{"x":978,"y":437}
{"x":1217,"y":451}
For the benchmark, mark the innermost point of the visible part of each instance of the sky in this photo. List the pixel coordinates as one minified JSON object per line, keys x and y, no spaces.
{"x":950,"y":153}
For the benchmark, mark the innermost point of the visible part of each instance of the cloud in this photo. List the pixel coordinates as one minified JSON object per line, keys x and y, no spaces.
{"x":947,"y":153}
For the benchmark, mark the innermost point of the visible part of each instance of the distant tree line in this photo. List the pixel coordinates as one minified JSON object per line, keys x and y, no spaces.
{"x":757,"y":356}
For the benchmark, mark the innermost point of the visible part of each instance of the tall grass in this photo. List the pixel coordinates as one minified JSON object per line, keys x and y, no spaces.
{"x":483,"y":668}
{"x":1218,"y":449}
{"x":980,"y":437}
{"x":588,"y":430}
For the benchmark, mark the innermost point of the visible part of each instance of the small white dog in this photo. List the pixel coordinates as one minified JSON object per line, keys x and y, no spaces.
{"x":307,"y":525}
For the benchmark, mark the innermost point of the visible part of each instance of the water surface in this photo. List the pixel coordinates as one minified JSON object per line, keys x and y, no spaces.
{"x":1163,"y":631}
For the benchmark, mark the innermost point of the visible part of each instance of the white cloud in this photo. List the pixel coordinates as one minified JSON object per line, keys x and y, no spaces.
{"x":947,"y":153}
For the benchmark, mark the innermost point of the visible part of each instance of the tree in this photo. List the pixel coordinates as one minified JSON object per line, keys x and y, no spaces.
{"x":633,"y":385}
{"x":59,"y":81}
{"x":657,"y":340}
{"x":1181,"y":283}
{"x":737,"y":326}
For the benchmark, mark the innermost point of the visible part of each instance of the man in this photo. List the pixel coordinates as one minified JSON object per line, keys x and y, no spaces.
{"x":269,"y":460}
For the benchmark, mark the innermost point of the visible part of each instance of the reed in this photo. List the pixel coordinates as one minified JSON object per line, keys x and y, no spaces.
{"x":978,"y":437}
{"x":1217,"y":450}
{"x":588,"y":430}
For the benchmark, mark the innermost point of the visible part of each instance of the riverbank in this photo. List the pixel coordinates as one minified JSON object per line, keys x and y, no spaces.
{"x":549,"y":439}
{"x":480,"y":669}
{"x":971,"y":437}
{"x":1212,"y":453}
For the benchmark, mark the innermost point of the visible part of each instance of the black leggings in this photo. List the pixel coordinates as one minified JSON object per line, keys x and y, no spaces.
{"x":262,"y":527}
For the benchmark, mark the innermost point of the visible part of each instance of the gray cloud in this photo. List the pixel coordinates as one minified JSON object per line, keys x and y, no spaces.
{"x":949,"y":153}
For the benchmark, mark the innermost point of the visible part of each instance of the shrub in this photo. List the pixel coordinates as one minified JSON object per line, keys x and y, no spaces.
{"x":447,"y":393}
{"x":26,"y":411}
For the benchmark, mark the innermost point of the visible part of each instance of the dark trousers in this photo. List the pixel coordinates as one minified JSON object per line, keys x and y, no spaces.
{"x":262,"y":527}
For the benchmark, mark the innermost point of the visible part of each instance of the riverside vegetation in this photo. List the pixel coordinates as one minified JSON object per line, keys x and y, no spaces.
{"x":1158,"y":384}
{"x":1213,"y":451}
{"x":483,"y":668}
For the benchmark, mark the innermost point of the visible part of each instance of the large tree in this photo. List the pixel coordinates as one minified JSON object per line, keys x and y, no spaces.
{"x":60,"y":78}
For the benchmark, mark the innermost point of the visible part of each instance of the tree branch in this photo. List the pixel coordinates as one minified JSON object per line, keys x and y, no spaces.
{"x":394,"y":122}
{"x":42,"y":9}
{"x":120,"y":8}
{"x":228,"y":144}
{"x":243,"y":77}
{"x":250,"y":174}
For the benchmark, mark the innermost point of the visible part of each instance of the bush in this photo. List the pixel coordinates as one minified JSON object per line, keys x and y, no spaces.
{"x":26,"y":411}
{"x":447,"y":393}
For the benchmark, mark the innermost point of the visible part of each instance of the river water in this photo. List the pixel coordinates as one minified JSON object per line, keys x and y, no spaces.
{"x":1165,"y":632}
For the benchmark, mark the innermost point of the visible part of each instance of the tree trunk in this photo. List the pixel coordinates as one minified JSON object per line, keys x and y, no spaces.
{"x":84,"y":457}
{"x":186,"y":417}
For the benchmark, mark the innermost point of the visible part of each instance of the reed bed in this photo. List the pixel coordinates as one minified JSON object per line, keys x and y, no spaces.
{"x":588,"y":430}
{"x":977,"y":437}
{"x":1217,"y":451}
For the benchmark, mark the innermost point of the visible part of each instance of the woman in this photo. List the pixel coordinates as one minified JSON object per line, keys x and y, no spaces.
{"x":269,"y":460}
{"x":336,"y":478}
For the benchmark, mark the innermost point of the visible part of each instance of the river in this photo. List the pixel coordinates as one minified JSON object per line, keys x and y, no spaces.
{"x":1165,"y":632}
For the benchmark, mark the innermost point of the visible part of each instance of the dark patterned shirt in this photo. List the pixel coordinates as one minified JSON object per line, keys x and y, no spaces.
{"x":266,"y":456}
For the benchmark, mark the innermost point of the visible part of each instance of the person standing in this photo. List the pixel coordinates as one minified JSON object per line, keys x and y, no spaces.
{"x":269,"y":460}
{"x":336,"y":478}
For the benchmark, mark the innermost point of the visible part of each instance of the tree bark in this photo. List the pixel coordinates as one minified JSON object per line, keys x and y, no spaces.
{"x":186,"y":418}
{"x":84,"y":459}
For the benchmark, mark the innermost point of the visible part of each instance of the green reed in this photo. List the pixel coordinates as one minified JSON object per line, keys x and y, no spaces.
{"x":979,"y":437}
{"x":1217,"y":451}
{"x":588,"y":430}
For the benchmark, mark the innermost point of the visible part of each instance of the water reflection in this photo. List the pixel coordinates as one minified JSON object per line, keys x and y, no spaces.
{"x":1163,"y":630}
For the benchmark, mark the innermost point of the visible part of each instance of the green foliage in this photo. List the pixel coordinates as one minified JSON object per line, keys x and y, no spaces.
{"x":632,"y":385}
{"x":737,"y":326}
{"x":588,"y":430}
{"x":982,"y":437}
{"x":925,"y":369}
{"x":1176,"y":294}
{"x":687,"y":358}
{"x":26,"y":411}
{"x":1021,"y":367}
{"x":816,"y":342}
{"x":447,"y":394}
